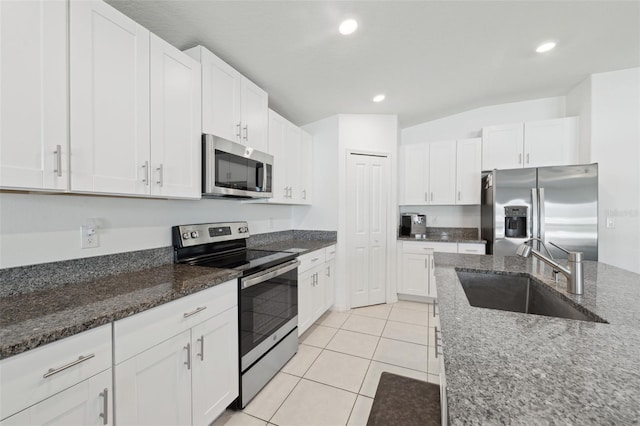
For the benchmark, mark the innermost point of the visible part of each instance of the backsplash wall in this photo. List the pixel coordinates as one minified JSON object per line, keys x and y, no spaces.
{"x":39,"y":228}
{"x":447,"y":216}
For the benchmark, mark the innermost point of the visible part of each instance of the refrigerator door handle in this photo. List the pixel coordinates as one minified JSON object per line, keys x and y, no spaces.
{"x":541,"y":214}
{"x":534,"y":213}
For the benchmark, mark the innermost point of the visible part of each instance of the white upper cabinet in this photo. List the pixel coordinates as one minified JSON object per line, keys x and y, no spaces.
{"x":442,"y":172}
{"x":416,"y":175}
{"x":306,"y":166}
{"x":109,"y":65}
{"x":233,"y":107}
{"x":551,"y":142}
{"x":530,"y":144}
{"x":175,"y":122}
{"x":255,"y":115}
{"x":468,"y":170}
{"x":292,"y":141}
{"x":33,"y":95}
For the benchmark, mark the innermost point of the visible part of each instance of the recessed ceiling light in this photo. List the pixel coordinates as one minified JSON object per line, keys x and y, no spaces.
{"x":378,"y":98}
{"x":348,"y":26}
{"x":545,"y":47}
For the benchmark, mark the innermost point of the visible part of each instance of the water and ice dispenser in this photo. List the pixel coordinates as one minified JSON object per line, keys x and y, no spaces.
{"x":515,"y":221}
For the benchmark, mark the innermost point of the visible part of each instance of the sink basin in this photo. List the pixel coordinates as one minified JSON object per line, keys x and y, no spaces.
{"x":519,"y":293}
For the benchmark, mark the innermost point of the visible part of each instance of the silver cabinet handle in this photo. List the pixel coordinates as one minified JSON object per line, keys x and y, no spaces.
{"x":105,"y":406}
{"x":527,"y":158}
{"x":329,"y":271}
{"x":315,"y":259}
{"x":238,"y":131}
{"x":201,"y":354}
{"x":291,"y":192}
{"x":58,"y":166}
{"x":435,"y":335}
{"x":433,"y":263}
{"x":304,"y":194}
{"x":426,"y":196}
{"x":519,"y":158}
{"x":246,"y":132}
{"x":435,"y":304}
{"x":80,"y":359}
{"x":431,"y":196}
{"x":458,"y":195}
{"x":160,"y":180}
{"x":145,"y":176}
{"x":188,"y":361}
{"x":195,"y":311}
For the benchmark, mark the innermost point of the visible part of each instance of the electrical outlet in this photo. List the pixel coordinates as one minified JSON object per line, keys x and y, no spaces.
{"x":89,"y":236}
{"x":611,"y":222}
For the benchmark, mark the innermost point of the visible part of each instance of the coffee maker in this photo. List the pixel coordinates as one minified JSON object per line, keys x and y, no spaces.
{"x":413,"y":225}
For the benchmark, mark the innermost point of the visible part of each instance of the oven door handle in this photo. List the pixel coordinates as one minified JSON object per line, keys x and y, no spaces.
{"x":268,"y":274}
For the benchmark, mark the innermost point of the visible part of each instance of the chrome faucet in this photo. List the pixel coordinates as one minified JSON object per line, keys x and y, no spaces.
{"x":573,"y":272}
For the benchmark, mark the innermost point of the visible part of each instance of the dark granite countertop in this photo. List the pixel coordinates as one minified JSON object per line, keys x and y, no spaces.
{"x":439,"y":239}
{"x":513,"y":368}
{"x":307,"y":245}
{"x":33,"y":319}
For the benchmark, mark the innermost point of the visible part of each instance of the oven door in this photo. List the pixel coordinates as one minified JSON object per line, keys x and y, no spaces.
{"x":268,"y":310}
{"x":234,"y":170}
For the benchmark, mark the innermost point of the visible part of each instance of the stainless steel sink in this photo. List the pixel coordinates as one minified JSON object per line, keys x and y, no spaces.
{"x":519,"y":293}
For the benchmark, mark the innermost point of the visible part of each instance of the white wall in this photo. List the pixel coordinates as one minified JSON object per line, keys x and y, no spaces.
{"x":469,"y":124}
{"x":324,"y":213}
{"x":615,"y":140}
{"x":38,"y":228}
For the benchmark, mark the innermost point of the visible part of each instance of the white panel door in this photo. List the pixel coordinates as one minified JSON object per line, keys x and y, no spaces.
{"x":367,"y":194}
{"x":255,"y":107}
{"x":415,"y":175}
{"x":550,"y":142}
{"x":319,"y":284}
{"x":468,"y":171}
{"x":215,"y":366}
{"x":415,"y":274}
{"x":86,"y":403}
{"x":502,"y":146}
{"x":305,"y":308}
{"x":154,"y":387}
{"x":330,"y":283}
{"x":175,"y":122}
{"x":442,"y":172}
{"x":33,"y":95}
{"x":109,"y":66}
{"x":221,"y":109}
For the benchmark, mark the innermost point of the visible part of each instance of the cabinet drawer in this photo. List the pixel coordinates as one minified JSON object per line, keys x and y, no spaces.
{"x":428,"y":247}
{"x":65,"y":363}
{"x":416,"y":248}
{"x":470,"y":248}
{"x":309,"y":260}
{"x":138,"y":333}
{"x":330,"y":252}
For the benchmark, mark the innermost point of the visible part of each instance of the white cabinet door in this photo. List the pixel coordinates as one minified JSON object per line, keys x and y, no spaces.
{"x":215,"y":366}
{"x":468,"y":171}
{"x":415,"y":274}
{"x":330,"y":282}
{"x":292,"y":138}
{"x":318,"y":286}
{"x":221,"y":111}
{"x":33,"y":95}
{"x":277,"y":148}
{"x":550,"y":142}
{"x":175,"y":122}
{"x":109,"y":66}
{"x":432,"y":291}
{"x":442,"y":172}
{"x":306,"y":168}
{"x":87,"y":403}
{"x":415,"y":174}
{"x":154,"y":387}
{"x":305,"y":307}
{"x":502,"y":146}
{"x":255,"y":107}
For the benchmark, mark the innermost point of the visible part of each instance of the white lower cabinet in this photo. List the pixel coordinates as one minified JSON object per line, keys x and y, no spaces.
{"x":416,"y":276}
{"x":316,"y":281}
{"x":187,"y":373}
{"x":67,"y":382}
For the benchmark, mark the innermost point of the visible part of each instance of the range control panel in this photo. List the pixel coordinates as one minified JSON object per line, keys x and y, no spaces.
{"x":204,"y":233}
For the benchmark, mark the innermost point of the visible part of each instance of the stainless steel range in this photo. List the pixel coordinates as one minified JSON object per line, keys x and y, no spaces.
{"x":267,"y":293}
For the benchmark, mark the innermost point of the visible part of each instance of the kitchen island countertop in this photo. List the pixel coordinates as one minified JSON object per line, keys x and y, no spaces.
{"x":514,"y":368}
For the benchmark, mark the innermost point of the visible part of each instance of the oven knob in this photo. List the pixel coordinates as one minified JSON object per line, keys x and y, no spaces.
{"x":194,"y":234}
{"x":243,"y":229}
{"x":185,"y":236}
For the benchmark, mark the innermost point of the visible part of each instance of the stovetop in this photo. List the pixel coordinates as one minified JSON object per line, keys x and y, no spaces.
{"x":248,"y":261}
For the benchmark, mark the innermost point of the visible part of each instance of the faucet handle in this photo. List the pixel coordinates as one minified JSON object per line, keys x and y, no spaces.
{"x":558,"y":247}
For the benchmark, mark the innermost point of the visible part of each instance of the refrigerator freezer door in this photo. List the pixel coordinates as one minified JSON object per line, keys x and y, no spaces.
{"x":512,"y":188}
{"x":569,"y":209}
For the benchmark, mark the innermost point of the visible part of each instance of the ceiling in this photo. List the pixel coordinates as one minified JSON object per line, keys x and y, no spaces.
{"x":430,"y":58}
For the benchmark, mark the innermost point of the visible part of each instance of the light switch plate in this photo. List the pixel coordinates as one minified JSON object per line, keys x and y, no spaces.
{"x":611,"y":222}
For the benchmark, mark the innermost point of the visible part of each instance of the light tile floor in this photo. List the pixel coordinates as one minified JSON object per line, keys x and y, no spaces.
{"x":333,"y":378}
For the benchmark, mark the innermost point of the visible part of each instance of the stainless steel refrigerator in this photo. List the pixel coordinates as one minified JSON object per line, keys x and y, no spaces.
{"x":555,"y":204}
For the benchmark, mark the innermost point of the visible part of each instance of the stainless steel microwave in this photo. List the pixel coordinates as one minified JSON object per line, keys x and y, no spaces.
{"x":230,"y":169}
